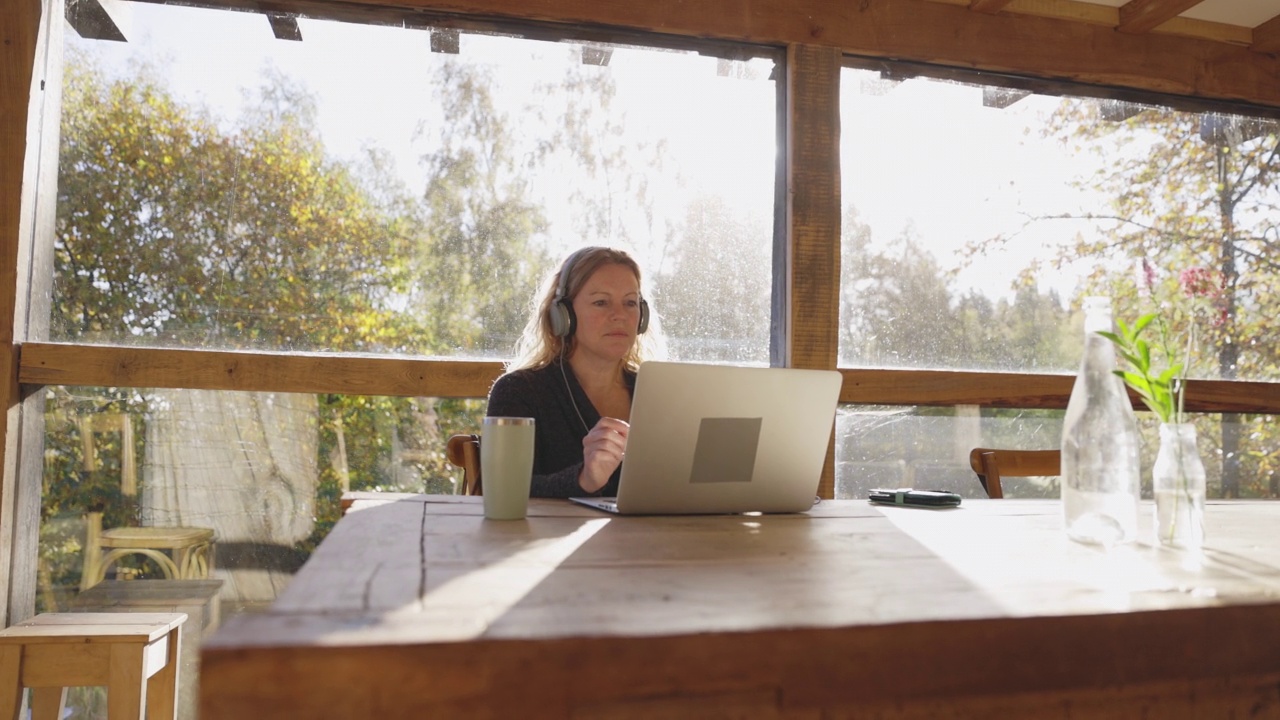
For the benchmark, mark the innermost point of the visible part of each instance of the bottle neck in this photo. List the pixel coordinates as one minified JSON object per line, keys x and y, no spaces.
{"x":1097,"y":321}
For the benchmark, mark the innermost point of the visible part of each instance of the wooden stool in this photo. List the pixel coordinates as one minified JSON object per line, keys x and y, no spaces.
{"x":52,"y":652}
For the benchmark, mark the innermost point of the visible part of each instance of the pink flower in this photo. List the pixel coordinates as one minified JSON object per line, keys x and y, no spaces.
{"x":1147,"y":278}
{"x":1199,"y":282}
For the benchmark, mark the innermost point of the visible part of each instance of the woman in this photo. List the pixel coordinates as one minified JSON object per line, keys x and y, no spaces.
{"x":574,"y":372}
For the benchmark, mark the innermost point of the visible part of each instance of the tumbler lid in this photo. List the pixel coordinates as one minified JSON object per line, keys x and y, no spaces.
{"x":492,"y":420}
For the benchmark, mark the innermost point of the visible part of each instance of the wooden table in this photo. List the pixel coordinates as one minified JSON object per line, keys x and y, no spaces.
{"x":416,"y":607}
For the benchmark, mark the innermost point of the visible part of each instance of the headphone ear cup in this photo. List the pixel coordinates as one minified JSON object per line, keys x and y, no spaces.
{"x":562,"y":319}
{"x":644,"y":317}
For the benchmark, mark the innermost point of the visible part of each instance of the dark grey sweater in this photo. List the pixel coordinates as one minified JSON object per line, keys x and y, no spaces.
{"x":544,"y":395}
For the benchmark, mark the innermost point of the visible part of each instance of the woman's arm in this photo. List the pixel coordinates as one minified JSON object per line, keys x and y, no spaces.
{"x":557,"y":461}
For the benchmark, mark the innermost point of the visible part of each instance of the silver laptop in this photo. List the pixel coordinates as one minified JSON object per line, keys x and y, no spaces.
{"x":719,"y":439}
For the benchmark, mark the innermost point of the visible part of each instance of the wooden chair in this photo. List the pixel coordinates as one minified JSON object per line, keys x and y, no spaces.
{"x":464,"y":452}
{"x":135,"y":655}
{"x":182,"y":553}
{"x":990,"y":465}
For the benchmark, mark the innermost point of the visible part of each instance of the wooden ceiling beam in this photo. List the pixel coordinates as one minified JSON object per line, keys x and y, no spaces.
{"x":1140,"y":16}
{"x":989,"y":6}
{"x":1266,"y":37}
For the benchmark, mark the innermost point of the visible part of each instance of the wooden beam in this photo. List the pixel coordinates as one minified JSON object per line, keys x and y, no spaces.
{"x":946,"y":388}
{"x":30,"y":95}
{"x":1141,"y":16}
{"x":813,"y":216}
{"x":813,"y":209}
{"x":989,"y":6}
{"x":103,"y":366}
{"x":1206,"y":30}
{"x":1266,"y":37}
{"x":19,"y":29}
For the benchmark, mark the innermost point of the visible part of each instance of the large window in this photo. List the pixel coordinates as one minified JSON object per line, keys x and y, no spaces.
{"x":382,"y":189}
{"x":976,"y":216}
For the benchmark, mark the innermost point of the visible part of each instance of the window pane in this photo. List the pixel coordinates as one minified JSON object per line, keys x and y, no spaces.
{"x":976,"y":217}
{"x":357,"y":191}
{"x":263,"y":470}
{"x":928,"y":448}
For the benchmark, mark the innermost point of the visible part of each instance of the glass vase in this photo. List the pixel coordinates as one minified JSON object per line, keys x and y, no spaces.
{"x":1179,"y":486}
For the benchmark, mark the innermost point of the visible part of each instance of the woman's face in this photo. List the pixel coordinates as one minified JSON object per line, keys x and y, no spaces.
{"x":607,"y":309}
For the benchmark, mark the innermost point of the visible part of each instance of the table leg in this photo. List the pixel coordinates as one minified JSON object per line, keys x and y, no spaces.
{"x":10,"y":681}
{"x":126,"y":682}
{"x":162,"y":688}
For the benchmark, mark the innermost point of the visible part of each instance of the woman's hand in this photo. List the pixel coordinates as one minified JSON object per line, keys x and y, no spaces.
{"x":602,"y":451}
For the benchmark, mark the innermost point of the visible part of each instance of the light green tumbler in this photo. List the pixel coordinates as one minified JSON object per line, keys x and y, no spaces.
{"x":506,"y":466}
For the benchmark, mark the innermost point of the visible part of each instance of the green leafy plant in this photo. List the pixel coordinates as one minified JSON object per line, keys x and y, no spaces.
{"x":1161,"y":390}
{"x":1155,"y":371}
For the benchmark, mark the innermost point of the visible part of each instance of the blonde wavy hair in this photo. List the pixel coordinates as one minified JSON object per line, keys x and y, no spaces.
{"x":539,"y":347}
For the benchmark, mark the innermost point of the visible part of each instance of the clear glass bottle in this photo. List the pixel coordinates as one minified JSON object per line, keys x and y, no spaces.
{"x":1100,"y":472}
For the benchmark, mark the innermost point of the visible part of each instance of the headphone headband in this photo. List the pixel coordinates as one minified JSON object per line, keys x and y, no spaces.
{"x":562,"y":289}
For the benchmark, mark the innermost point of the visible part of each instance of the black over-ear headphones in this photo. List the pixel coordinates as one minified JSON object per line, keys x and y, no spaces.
{"x":563,"y":321}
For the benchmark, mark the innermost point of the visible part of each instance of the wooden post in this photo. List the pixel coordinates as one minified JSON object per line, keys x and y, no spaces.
{"x":813,"y":215}
{"x":30,"y":107}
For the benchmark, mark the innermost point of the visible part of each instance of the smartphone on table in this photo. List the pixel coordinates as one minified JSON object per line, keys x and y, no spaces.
{"x":911,"y":496}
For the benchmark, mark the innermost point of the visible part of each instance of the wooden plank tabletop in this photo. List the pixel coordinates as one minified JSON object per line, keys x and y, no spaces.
{"x":983,"y":593}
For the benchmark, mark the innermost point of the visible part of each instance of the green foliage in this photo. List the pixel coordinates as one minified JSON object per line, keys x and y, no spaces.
{"x":476,"y":224}
{"x":171,"y":230}
{"x":898,"y":310}
{"x":1160,"y":390}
